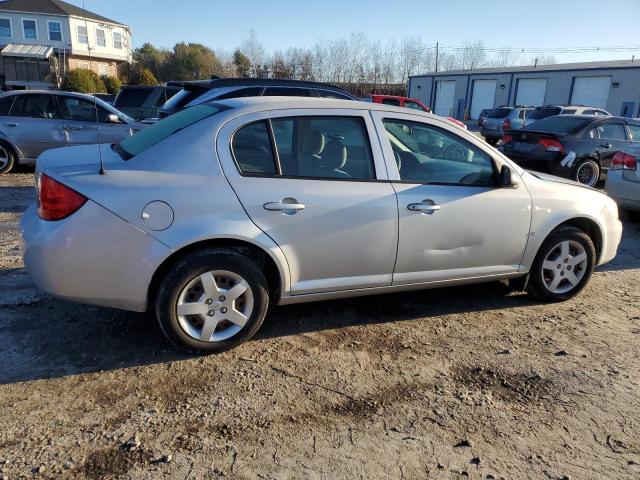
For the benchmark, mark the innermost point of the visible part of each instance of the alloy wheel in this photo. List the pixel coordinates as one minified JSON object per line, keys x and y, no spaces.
{"x":588,"y":174}
{"x":215,"y":306}
{"x":4,"y":157}
{"x":564,"y":267}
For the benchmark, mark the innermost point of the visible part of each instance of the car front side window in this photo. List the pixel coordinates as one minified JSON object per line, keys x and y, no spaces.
{"x":431,"y":155}
{"x":80,"y":110}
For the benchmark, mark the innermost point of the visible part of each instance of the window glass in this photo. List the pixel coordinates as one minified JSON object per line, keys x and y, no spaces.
{"x":55,"y":31}
{"x":132,"y":97}
{"x":165,"y":95}
{"x":83,"y":36}
{"x":286,"y":92}
{"x":427,"y":154}
{"x":324,"y":147}
{"x":584,"y":112}
{"x":29,"y":27}
{"x":610,"y":131}
{"x":34,"y":106}
{"x":150,"y":136}
{"x":103,"y":69}
{"x":413,"y":105}
{"x":522,"y":114}
{"x":241,"y":92}
{"x":5,"y":27}
{"x":391,"y":101}
{"x":499,"y":113}
{"x":101,"y":38}
{"x":633,"y":129}
{"x":544,"y":112}
{"x":329,"y":94}
{"x":558,"y":124}
{"x":5,"y":105}
{"x":81,"y":110}
{"x":117,"y":40}
{"x":252,"y":149}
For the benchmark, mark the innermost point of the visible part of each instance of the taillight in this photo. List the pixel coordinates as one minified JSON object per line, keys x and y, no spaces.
{"x":57,"y":201}
{"x":551,"y":145}
{"x":506,"y":125}
{"x":507,"y":139}
{"x":624,"y":161}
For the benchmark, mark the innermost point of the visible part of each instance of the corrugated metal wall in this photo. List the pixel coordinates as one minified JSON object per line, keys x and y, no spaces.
{"x":559,"y":86}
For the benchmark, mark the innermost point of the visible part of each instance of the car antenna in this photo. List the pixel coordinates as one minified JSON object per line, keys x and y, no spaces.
{"x":95,"y":99}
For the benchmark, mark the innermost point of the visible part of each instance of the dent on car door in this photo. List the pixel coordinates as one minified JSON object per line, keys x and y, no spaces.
{"x":454,"y":221}
{"x":33,"y":124}
{"x":79,"y":116}
{"x":315,"y":183}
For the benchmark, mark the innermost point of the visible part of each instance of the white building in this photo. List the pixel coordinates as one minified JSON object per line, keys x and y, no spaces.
{"x":42,"y":39}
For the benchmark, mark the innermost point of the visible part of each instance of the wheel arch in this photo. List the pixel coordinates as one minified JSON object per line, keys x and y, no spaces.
{"x":273,"y":272}
{"x":588,"y":226}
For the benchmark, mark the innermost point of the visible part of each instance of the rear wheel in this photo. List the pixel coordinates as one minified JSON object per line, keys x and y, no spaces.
{"x":212,"y":301}
{"x":7,"y":159}
{"x":587,"y":172}
{"x":563,"y":265}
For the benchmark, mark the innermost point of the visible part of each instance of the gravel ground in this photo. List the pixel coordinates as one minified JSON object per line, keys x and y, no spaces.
{"x":472,"y":382}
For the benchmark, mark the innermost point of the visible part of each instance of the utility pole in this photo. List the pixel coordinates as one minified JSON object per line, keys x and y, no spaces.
{"x":437,"y":57}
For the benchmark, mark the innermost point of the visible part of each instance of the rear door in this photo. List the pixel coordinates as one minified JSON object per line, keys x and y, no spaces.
{"x":316,"y":183}
{"x":81,"y":126}
{"x":611,"y":137}
{"x":34,"y":124}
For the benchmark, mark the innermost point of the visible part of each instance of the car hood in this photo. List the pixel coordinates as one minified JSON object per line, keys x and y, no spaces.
{"x":552,"y":178}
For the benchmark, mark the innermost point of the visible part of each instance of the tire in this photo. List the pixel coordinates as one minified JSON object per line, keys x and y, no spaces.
{"x":542,"y":277}
{"x":587,"y":172}
{"x":183,"y":285}
{"x":7,"y":159}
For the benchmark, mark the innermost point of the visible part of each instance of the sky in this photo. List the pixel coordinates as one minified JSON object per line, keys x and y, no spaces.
{"x":223,"y":25}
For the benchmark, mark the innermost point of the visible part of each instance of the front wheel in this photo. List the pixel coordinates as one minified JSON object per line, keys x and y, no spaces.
{"x":563,"y":265}
{"x":587,"y":172}
{"x":212,"y":301}
{"x":7,"y":159}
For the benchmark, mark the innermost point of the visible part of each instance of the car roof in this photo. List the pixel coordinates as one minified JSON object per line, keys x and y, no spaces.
{"x":233,"y":82}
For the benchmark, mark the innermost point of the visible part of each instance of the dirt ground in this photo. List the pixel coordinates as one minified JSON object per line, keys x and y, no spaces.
{"x":473,"y":382}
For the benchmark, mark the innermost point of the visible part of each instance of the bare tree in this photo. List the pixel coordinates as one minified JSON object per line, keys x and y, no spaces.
{"x":255,"y":52}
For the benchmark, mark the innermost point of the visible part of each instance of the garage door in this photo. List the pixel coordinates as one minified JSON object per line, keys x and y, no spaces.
{"x":445,"y":93}
{"x":591,"y":91}
{"x":483,"y":96}
{"x":531,"y":91}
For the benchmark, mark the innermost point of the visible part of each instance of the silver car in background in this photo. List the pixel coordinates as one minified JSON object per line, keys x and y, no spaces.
{"x":623,"y":177}
{"x":210,"y":215}
{"x":498,"y":120}
{"x":34,"y":121}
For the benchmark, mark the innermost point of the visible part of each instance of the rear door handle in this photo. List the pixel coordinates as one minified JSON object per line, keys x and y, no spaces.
{"x":428,"y":207}
{"x":74,"y":128}
{"x":11,"y":124}
{"x":287,"y":206}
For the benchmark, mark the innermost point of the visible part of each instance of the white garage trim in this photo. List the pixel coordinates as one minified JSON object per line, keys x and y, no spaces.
{"x":531,"y":91}
{"x":483,"y":96}
{"x":445,"y":94}
{"x":591,"y":91}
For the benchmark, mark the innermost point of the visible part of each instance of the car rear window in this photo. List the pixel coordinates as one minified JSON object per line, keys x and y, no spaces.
{"x":182,"y":98}
{"x":150,"y":136}
{"x":558,"y":124}
{"x":132,"y":97}
{"x":499,"y":112}
{"x":540,"y":113}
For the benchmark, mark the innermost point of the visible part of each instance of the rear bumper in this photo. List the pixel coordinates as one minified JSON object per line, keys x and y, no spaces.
{"x":491,"y":133}
{"x":91,"y":257}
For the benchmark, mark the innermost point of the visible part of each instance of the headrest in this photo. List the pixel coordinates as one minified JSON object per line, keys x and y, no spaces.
{"x":334,"y":155}
{"x":312,"y":142}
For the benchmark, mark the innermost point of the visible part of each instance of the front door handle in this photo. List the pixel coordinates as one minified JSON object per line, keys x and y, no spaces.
{"x":428,"y":207}
{"x":287,"y":206}
{"x":74,"y":128}
{"x":606,"y":145}
{"x":11,"y":124}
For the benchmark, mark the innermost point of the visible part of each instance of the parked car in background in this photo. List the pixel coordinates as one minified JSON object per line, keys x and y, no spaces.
{"x":545,"y":111}
{"x":407,"y":102}
{"x":34,"y":121}
{"x":287,"y":193}
{"x":483,"y":116}
{"x":141,"y":102}
{"x":197,"y":92}
{"x":503,"y":118}
{"x":579,"y":147}
{"x":106,"y":97}
{"x":623,"y":179}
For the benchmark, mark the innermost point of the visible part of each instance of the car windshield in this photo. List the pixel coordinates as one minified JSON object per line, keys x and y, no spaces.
{"x":540,"y":113}
{"x":150,"y":136}
{"x":499,"y":113}
{"x":558,"y":124}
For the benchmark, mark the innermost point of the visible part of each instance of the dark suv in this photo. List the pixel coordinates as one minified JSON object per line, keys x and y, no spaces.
{"x":193,"y":93}
{"x":140,"y":102}
{"x":550,"y":110}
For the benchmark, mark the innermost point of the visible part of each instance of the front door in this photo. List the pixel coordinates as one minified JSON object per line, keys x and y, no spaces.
{"x":454,"y":221}
{"x":612,"y":137}
{"x":81,"y":127}
{"x":34,"y":124}
{"x":317,"y":185}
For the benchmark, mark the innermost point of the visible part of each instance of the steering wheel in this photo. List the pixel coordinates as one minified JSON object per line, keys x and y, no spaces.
{"x":454,"y":152}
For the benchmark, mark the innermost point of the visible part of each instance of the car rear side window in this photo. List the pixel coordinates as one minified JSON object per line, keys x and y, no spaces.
{"x":571,"y":111}
{"x":540,"y":113}
{"x":610,"y":131}
{"x":35,"y":106}
{"x":252,"y":149}
{"x":634,"y":130}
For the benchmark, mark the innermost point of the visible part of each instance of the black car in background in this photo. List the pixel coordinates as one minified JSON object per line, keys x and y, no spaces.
{"x":578,"y":147}
{"x":195,"y":92}
{"x":141,"y":102}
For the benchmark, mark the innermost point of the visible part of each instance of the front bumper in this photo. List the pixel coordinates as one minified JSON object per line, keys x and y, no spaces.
{"x":91,"y":257}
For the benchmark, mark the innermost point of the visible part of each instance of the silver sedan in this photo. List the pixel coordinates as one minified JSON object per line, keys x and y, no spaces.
{"x":212,"y":214}
{"x":34,"y":121}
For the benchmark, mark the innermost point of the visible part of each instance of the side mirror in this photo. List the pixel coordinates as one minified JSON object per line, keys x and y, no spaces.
{"x":113,"y":118}
{"x":506,"y":178}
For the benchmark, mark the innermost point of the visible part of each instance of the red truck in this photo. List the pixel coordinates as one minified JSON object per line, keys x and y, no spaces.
{"x":398,"y":101}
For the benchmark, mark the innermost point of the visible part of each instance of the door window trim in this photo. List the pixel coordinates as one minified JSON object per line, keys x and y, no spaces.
{"x":278,"y":175}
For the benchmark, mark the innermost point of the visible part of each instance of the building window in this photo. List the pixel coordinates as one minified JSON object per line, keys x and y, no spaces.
{"x":83,"y":65}
{"x":29,"y":29}
{"x":101,"y":38}
{"x":83,"y":36}
{"x":103,"y":69}
{"x":55,"y":31}
{"x":5,"y":27}
{"x":117,"y":40}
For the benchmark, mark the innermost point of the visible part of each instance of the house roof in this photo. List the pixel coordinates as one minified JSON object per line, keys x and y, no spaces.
{"x":52,"y":7}
{"x":539,"y":68}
